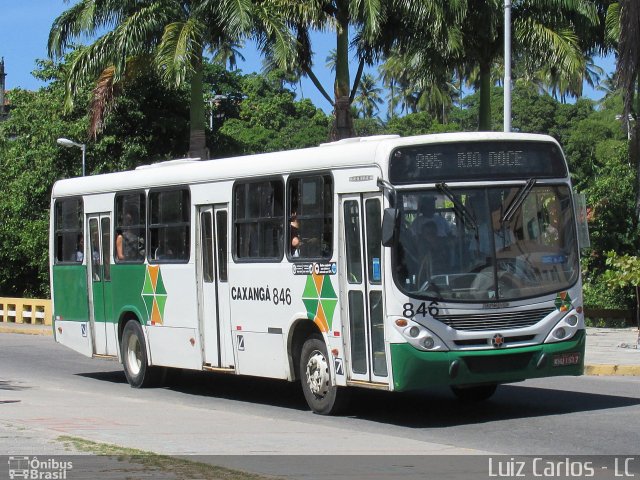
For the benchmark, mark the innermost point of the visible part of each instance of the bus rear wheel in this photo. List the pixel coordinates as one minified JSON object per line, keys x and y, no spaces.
{"x":134,"y":357}
{"x":477,"y":393}
{"x":322,"y":396}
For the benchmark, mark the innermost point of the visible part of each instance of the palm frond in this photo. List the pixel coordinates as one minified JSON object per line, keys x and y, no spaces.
{"x":180,"y":49}
{"x":612,"y":23}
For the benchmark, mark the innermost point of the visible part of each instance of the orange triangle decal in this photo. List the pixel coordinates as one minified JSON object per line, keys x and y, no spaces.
{"x":321,"y":319}
{"x":317,"y":279}
{"x":153,"y":274}
{"x":156,"y":318}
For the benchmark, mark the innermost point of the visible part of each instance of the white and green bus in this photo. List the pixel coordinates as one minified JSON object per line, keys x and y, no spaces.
{"x":383,"y":262}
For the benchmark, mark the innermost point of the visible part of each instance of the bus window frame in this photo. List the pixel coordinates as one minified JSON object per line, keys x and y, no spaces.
{"x":297,"y":176}
{"x":115,"y":225}
{"x":234,"y":219}
{"x":169,"y":188}
{"x":55,"y":229}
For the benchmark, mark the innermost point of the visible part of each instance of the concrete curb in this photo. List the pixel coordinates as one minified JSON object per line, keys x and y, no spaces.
{"x":621,"y":370}
{"x":27,"y":329}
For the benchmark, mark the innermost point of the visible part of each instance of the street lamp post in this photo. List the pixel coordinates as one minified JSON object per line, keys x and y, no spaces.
{"x":65,"y":142}
{"x":215,"y":101}
{"x":507,"y":65}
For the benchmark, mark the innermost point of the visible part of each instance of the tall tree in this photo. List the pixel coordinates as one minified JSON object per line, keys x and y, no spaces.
{"x":627,"y":30}
{"x":544,"y":32}
{"x":339,"y":16}
{"x":369,"y":96}
{"x":170,"y":35}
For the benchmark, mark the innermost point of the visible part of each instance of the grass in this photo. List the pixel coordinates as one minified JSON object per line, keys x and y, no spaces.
{"x":151,"y":462}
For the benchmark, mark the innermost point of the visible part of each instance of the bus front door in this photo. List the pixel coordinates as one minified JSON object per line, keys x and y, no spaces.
{"x":98,"y":256}
{"x":362,"y":288}
{"x":213,"y":287}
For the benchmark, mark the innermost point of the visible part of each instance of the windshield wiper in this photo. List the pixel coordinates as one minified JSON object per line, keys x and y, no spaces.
{"x":517,"y":201}
{"x":459,"y":207}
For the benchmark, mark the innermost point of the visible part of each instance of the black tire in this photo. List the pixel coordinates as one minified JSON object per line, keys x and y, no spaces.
{"x":478,"y":393}
{"x":133,"y":350}
{"x":322,"y":396}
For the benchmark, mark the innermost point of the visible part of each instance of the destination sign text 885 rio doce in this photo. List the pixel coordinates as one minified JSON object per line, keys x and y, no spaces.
{"x":483,"y":160}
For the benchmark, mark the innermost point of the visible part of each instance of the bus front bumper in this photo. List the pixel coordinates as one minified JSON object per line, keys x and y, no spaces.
{"x":415,"y":369}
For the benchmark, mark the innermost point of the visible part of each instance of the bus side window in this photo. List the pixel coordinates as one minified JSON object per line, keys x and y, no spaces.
{"x":69,"y":230}
{"x":130,"y":226}
{"x":310,"y":217}
{"x":258,"y":217}
{"x":169,"y":225}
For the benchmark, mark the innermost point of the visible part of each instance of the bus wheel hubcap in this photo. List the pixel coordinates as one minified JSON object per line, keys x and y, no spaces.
{"x":134,"y":355}
{"x":318,"y":374}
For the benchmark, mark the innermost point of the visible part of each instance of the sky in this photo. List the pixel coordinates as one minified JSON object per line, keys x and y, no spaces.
{"x":25,"y":25}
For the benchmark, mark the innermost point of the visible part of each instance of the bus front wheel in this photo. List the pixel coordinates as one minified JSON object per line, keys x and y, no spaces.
{"x":134,"y":357}
{"x":477,"y":393}
{"x":321,"y":394}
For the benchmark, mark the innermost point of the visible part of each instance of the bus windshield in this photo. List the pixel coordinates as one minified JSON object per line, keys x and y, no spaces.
{"x":497,"y":243}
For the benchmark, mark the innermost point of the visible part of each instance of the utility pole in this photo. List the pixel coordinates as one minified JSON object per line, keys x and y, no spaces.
{"x":507,"y":65}
{"x":3,"y":75}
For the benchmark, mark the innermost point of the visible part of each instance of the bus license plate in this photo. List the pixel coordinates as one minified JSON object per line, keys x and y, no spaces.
{"x":565,"y":359}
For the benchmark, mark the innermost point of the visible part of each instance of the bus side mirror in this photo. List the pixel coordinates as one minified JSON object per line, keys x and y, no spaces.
{"x":389,"y":222}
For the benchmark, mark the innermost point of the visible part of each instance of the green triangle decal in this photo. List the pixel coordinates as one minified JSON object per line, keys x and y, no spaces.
{"x":148,"y":303}
{"x":327,"y":289}
{"x":312,"y":307}
{"x":160,"y":290}
{"x":162,"y":301}
{"x":310,"y":289}
{"x":329,"y":307}
{"x":147,"y":288}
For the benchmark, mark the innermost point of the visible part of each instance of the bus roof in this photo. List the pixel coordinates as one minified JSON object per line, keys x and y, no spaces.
{"x":352,"y":152}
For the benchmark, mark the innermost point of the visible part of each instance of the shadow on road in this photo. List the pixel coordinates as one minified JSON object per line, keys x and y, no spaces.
{"x":434,"y":408}
{"x":438,"y":408}
{"x":256,"y":390}
{"x":9,"y":385}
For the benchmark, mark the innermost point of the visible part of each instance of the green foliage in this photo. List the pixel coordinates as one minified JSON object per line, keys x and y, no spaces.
{"x":270,"y":119}
{"x":148,"y":123}
{"x":365,"y":127}
{"x":597,"y":294}
{"x":418,"y":124}
{"x":533,"y":112}
{"x":624,"y":270}
{"x":31,"y":162}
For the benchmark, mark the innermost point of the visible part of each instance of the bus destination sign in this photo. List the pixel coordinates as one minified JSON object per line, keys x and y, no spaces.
{"x":483,"y":160}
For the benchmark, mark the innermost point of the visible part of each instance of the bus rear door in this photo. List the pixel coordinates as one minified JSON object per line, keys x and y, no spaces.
{"x":213,"y":286}
{"x":98,"y":255}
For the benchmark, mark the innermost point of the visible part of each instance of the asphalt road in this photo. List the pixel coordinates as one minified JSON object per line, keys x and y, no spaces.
{"x":47,"y":390}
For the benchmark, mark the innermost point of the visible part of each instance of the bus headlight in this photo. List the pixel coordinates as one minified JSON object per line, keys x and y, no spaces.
{"x":428,"y":342}
{"x":565,"y":328}
{"x":420,"y":337}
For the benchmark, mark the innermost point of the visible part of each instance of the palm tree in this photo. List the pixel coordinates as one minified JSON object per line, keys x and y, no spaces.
{"x":338,"y":15}
{"x":369,"y":96}
{"x":623,"y":26}
{"x":229,"y":52}
{"x":377,"y":26}
{"x":331,"y":60}
{"x":169,"y":35}
{"x":430,"y":90}
{"x":544,"y":32}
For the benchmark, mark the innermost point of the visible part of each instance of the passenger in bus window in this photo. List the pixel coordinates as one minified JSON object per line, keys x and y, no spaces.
{"x":79,"y":257}
{"x":128,"y":245}
{"x":295,"y":235}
